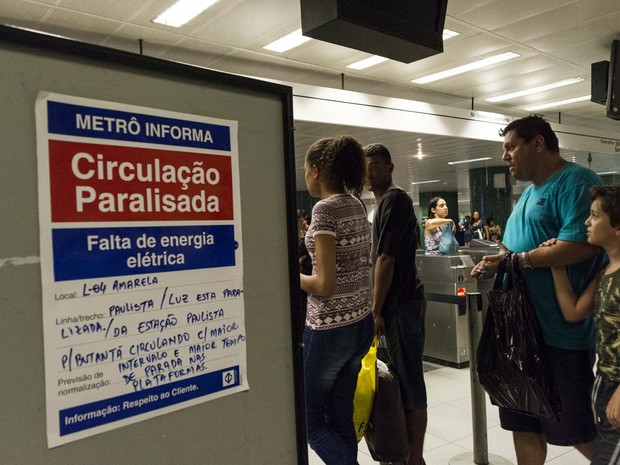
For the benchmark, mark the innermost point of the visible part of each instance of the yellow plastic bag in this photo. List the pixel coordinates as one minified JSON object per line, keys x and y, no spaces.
{"x":365,"y":390}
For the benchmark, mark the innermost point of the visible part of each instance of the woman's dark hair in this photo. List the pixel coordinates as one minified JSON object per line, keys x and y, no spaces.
{"x":433,"y":204}
{"x":610,"y":201}
{"x":531,"y":126}
{"x":341,"y":163}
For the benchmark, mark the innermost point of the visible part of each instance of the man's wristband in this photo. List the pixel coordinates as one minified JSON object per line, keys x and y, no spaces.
{"x":525,"y":261}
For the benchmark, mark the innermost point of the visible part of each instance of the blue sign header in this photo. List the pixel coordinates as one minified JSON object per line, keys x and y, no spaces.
{"x":102,"y":123}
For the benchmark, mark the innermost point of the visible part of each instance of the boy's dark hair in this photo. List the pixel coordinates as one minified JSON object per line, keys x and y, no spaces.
{"x":531,"y":126}
{"x":610,"y":201}
{"x":379,"y":151}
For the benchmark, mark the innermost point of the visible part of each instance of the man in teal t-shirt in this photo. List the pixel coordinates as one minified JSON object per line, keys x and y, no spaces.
{"x":555,"y":205}
{"x":555,"y":208}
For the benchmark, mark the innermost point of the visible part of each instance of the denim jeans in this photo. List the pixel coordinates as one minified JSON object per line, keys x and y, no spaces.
{"x":332,"y":361}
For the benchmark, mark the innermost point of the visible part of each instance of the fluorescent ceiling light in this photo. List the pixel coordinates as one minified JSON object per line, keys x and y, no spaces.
{"x":607,"y":172}
{"x":183,"y":11}
{"x":468,"y":67}
{"x":469,"y":161}
{"x":535,"y":90}
{"x":558,"y":104}
{"x":426,"y":182}
{"x":367,"y":62}
{"x":289,"y":41}
{"x":448,"y":34}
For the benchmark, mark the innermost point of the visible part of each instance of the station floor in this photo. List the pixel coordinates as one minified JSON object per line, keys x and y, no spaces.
{"x":449,"y":430}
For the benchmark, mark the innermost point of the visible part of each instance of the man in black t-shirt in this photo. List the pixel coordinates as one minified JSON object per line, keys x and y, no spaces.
{"x":398,"y":305}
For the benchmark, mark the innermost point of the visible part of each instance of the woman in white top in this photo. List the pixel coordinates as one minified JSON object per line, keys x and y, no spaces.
{"x":435,"y":222}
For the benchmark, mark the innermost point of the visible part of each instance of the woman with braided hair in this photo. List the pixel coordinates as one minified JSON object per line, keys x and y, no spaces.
{"x":339,"y":327}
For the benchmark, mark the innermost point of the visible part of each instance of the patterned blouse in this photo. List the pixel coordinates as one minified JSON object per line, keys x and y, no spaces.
{"x":344,"y":217}
{"x":431,"y":243}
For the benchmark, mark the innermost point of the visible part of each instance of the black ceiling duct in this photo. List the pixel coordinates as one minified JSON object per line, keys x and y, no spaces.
{"x":613,"y":84}
{"x":599,"y":77}
{"x":402,"y":30}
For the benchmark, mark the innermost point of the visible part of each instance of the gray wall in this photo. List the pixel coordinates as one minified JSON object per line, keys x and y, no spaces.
{"x":254,"y":427}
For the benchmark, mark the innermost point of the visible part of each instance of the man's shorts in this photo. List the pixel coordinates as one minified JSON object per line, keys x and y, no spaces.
{"x":573,"y":375}
{"x":404,"y":337}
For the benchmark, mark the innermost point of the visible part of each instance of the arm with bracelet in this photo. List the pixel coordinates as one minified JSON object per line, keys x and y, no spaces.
{"x":561,"y":253}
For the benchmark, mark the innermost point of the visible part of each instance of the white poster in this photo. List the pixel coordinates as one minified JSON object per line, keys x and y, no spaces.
{"x":141,"y":262}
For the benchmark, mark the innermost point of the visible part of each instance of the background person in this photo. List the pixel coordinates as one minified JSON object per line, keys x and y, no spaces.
{"x":305,"y":263}
{"x":478,"y":228}
{"x":398,"y":305}
{"x":554,"y":205}
{"x":339,"y":325}
{"x":494,"y":229}
{"x":601,"y":298}
{"x":436,"y":220}
{"x":467,"y":231}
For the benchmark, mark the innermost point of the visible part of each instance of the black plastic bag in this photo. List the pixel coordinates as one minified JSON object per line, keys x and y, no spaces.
{"x":386,"y":433}
{"x":511,"y":363}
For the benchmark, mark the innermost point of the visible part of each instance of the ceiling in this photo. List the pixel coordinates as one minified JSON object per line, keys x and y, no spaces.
{"x":557,"y":39}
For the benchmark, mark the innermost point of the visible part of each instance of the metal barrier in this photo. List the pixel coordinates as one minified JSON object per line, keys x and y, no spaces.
{"x":472,"y":303}
{"x":446,"y":326}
